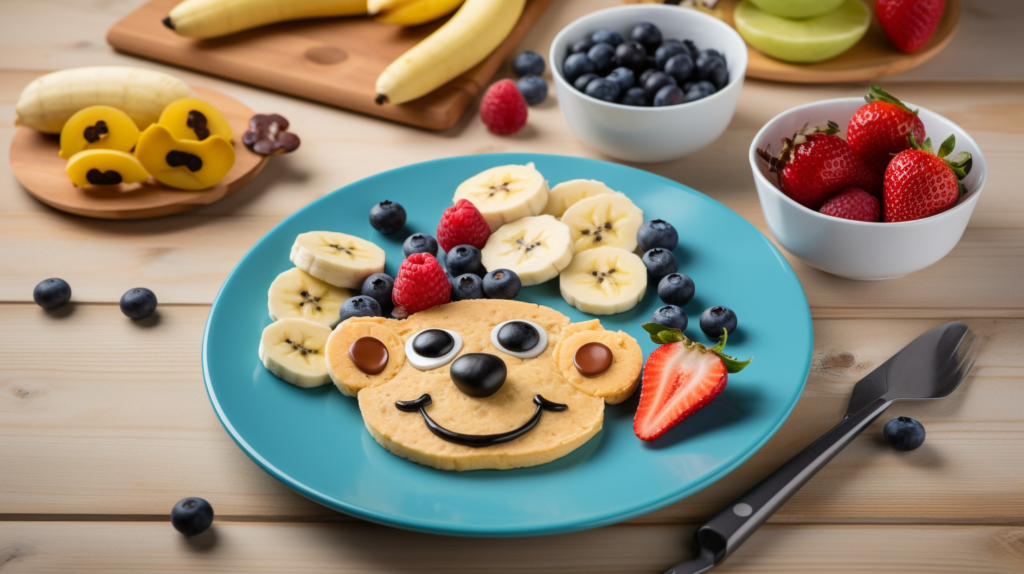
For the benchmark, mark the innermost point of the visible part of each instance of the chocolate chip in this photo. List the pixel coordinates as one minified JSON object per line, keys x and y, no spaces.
{"x":269,"y":135}
{"x":93,"y":133}
{"x":97,"y":177}
{"x":197,"y":121}
{"x":177,"y":158}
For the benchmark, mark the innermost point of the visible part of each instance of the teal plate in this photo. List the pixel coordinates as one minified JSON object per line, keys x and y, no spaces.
{"x":315,"y":442}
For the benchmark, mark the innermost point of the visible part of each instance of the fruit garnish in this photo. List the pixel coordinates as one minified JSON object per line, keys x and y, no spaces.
{"x":462,"y":224}
{"x":421,"y":284}
{"x":503,"y":108}
{"x":920,"y":183}
{"x":537,"y":248}
{"x":268,"y":135}
{"x":604,"y":281}
{"x":295,"y":294}
{"x":387,"y":216}
{"x":679,"y":378}
{"x":606,"y":220}
{"x":854,"y":204}
{"x":909,"y":24}
{"x":338,"y":258}
{"x":716,"y":321}
{"x":879,"y":129}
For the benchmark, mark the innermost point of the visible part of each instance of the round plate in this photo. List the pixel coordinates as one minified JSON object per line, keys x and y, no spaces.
{"x":315,"y":440}
{"x":41,"y":171}
{"x":870,"y":58}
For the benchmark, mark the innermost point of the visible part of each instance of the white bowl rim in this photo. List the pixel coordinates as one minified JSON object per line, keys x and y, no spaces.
{"x":972,"y":196}
{"x":734,"y":78}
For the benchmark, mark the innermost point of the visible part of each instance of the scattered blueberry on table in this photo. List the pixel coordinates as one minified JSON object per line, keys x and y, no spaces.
{"x":138,"y":303}
{"x":52,"y":293}
{"x":716,"y":320}
{"x":528,"y":63}
{"x":192,"y":516}
{"x":533,"y":88}
{"x":904,"y":433}
{"x":387,"y":217}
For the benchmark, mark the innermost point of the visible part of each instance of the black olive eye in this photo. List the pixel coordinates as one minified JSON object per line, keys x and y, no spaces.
{"x":432,"y":348}
{"x":521,"y":339}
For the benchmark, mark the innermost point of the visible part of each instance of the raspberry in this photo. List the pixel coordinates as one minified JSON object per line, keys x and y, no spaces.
{"x":853,"y":203}
{"x":421,"y":284}
{"x":503,"y":109}
{"x":462,"y":224}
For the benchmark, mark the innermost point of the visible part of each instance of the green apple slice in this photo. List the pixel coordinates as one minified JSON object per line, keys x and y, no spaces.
{"x":803,"y":41}
{"x":797,"y":8}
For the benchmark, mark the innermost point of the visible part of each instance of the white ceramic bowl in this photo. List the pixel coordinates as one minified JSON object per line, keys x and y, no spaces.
{"x":857,"y":249}
{"x":648,"y":134}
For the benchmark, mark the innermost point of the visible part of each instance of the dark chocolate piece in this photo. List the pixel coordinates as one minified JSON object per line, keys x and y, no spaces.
{"x":592,"y":359}
{"x":369,"y":355}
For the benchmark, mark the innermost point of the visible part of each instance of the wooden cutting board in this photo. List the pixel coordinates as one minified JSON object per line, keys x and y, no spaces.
{"x":335,"y":61}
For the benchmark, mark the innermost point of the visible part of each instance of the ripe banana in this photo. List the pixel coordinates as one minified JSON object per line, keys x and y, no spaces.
{"x":296,"y":294}
{"x":214,"y":18}
{"x":536,"y":248}
{"x":505,"y":193}
{"x":604,"y":281}
{"x":293,"y":349}
{"x":610,"y":219}
{"x":337,"y":258}
{"x":412,"y":13}
{"x":461,"y":43}
{"x":567,"y":193}
{"x":49,"y":101}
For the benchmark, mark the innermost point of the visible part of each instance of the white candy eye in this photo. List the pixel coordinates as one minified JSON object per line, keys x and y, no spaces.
{"x":521,"y":339}
{"x":432,"y":348}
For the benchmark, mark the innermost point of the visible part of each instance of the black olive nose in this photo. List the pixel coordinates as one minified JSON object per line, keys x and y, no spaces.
{"x":478,"y":374}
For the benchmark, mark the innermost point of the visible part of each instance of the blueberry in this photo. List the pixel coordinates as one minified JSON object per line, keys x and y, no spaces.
{"x":670,"y":316}
{"x":698,"y":90}
{"x":527,"y":63}
{"x":467,"y":286}
{"x":360,"y":306}
{"x":694,"y":52}
{"x":138,"y":303}
{"x":657,"y":81}
{"x":378,"y":287}
{"x":419,"y":243}
{"x":502,"y":284}
{"x":713,"y":53}
{"x":582,"y":81}
{"x":660,"y":262}
{"x":904,"y":433}
{"x":652,"y":62}
{"x":657,"y":233}
{"x":387,"y":217}
{"x":582,"y":46}
{"x":715,"y":319}
{"x":707,"y":60}
{"x":464,"y":259}
{"x":718,"y":75}
{"x":603,"y":89}
{"x":602,"y":55}
{"x":676,"y":289}
{"x":647,"y":34}
{"x":576,"y":65}
{"x":668,"y":96}
{"x":667,"y":50}
{"x":52,"y":293}
{"x":533,"y":88}
{"x":607,"y":36}
{"x":636,"y":97}
{"x":680,"y":67}
{"x":623,"y":77}
{"x":631,"y":55}
{"x":646,"y":74}
{"x":191,"y":516}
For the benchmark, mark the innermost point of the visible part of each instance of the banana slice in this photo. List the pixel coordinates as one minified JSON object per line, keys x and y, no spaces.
{"x":296,"y":294}
{"x":604,"y":280}
{"x":506,"y":193}
{"x":337,"y":258}
{"x":610,"y":220}
{"x":567,"y":193}
{"x":293,"y":349}
{"x":537,"y":248}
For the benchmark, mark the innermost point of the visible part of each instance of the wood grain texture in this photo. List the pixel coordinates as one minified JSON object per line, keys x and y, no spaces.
{"x":335,"y":60}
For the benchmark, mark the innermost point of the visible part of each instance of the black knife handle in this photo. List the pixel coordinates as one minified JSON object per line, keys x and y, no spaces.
{"x":733,"y":525}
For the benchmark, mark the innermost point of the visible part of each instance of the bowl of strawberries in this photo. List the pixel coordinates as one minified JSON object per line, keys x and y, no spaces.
{"x":879,"y":203}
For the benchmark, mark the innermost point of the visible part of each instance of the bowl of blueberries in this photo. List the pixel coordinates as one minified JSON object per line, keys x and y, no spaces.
{"x":648,"y":82}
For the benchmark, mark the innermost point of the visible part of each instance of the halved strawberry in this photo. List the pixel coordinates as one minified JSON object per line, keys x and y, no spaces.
{"x":680,"y":378}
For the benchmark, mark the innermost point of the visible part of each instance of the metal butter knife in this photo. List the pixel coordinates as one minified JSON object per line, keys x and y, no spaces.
{"x":930,"y":367}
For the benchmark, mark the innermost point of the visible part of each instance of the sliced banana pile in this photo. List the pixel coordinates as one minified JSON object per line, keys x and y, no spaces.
{"x":293,"y":349}
{"x":537,"y":248}
{"x":567,"y":193}
{"x":604,"y":280}
{"x":506,"y":193}
{"x":606,"y":220}
{"x":338,"y":258}
{"x":296,"y":294}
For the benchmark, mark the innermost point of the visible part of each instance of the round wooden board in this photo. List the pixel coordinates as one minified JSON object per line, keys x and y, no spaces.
{"x":872,"y":57}
{"x":41,"y":171}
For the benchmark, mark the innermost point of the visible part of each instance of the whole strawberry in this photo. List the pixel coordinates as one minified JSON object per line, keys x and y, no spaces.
{"x":855,"y":204}
{"x":879,"y":129}
{"x":421,"y":284}
{"x":816,"y":164}
{"x":503,"y":109}
{"x":909,"y":24}
{"x":462,"y":224}
{"x":919,"y":183}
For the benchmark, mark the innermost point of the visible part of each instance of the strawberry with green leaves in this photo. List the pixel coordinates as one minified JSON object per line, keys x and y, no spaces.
{"x":881,"y":128}
{"x":920,"y":183}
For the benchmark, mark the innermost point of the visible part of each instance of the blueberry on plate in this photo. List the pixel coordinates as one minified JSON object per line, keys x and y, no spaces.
{"x":631,"y":55}
{"x":603,"y":89}
{"x":582,"y":46}
{"x":660,"y":262}
{"x":716,"y":320}
{"x":464,"y":259}
{"x":387,"y":217}
{"x":698,"y":90}
{"x":636,"y":97}
{"x":378,"y":287}
{"x":528,"y":62}
{"x":607,"y":36}
{"x":623,"y":77}
{"x":502,"y":284}
{"x":657,"y":81}
{"x":419,"y":243}
{"x":680,"y":67}
{"x":582,"y":81}
{"x":904,"y":433}
{"x":657,"y":233}
{"x":138,"y":303}
{"x":360,"y":306}
{"x":52,"y":293}
{"x":676,"y":289}
{"x":670,"y":316}
{"x":602,"y":55}
{"x":668,"y":96}
{"x":467,"y":286}
{"x":533,"y":88}
{"x":576,"y":65}
{"x":191,"y":516}
{"x":646,"y":34}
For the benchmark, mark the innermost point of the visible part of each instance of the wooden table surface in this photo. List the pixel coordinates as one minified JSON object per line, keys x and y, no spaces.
{"x":105,"y":424}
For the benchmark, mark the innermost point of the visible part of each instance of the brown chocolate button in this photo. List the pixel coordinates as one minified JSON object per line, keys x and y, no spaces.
{"x":369,"y":355}
{"x":592,"y":359}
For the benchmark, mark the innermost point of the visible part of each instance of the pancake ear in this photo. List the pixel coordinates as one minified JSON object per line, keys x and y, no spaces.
{"x":349,"y":377}
{"x":616,"y":383}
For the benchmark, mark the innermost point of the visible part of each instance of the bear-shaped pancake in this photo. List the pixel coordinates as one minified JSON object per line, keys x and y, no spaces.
{"x":478,"y":384}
